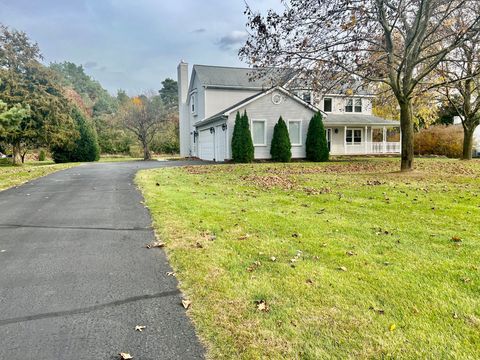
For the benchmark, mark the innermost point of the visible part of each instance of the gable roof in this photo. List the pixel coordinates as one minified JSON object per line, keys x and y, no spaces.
{"x":239,"y":78}
{"x":226,"y":112}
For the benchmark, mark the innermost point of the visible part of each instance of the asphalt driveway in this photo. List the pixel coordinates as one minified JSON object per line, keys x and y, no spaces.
{"x":75,"y":278}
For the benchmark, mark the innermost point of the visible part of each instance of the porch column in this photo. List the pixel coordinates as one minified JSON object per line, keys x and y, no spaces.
{"x":345,"y":140}
{"x":384,"y":139}
{"x":366,"y":140}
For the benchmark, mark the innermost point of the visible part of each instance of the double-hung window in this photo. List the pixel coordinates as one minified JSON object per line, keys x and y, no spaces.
{"x":358,"y":105}
{"x":354,"y":136}
{"x":295,"y":132}
{"x":259,"y":133}
{"x":349,"y":105}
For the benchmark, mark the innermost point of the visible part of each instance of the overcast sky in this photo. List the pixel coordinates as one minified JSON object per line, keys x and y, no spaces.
{"x":133,"y":45}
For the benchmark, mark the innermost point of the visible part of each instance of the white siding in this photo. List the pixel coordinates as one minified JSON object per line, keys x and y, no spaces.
{"x":265,"y":109}
{"x":217,"y":100}
{"x":338,"y":104}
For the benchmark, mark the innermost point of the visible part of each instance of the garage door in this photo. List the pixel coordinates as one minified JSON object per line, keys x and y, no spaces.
{"x":220,"y":143}
{"x":205,"y":145}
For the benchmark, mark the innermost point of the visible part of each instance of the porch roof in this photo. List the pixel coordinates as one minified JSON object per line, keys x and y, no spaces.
{"x":358,"y":120}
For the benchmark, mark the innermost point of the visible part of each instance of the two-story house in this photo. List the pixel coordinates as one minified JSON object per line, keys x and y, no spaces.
{"x":211,"y":97}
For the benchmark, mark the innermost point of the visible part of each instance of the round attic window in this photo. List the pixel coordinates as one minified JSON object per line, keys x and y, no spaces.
{"x":277,"y":99}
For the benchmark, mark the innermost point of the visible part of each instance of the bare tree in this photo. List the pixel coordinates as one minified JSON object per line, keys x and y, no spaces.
{"x":396,"y":42}
{"x":461,"y":71}
{"x":143,"y":116}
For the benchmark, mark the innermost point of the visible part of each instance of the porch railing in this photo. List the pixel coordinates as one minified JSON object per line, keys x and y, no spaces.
{"x":373,"y":148}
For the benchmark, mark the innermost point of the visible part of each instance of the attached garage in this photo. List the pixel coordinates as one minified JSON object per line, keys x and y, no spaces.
{"x":206,"y":145}
{"x":220,"y":143}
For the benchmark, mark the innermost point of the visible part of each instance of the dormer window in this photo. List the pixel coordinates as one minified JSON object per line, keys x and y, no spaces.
{"x":358,"y":105}
{"x":349,"y":105}
{"x":307,"y":97}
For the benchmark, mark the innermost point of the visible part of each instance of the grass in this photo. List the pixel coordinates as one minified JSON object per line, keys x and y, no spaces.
{"x":353,"y":260}
{"x":16,"y":175}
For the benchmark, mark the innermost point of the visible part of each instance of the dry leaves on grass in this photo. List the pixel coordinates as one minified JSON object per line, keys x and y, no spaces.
{"x":262,"y":306}
{"x":254,"y":266}
{"x":456,"y":239}
{"x":268,"y":182}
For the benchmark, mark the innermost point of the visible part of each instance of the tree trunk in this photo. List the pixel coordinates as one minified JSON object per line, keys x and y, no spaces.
{"x":406,"y":126}
{"x":467,"y":143}
{"x":146,"y":152}
{"x":23,"y":156}
{"x":16,"y":154}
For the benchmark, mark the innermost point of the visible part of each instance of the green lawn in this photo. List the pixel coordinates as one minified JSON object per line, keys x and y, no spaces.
{"x":352,"y":259}
{"x":16,"y":175}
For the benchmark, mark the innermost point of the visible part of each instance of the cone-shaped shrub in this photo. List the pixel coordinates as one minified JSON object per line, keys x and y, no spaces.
{"x":281,"y":148}
{"x":316,"y":144}
{"x":242,"y":144}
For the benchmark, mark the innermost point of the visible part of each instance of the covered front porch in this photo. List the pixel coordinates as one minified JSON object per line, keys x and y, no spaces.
{"x":363,"y":135}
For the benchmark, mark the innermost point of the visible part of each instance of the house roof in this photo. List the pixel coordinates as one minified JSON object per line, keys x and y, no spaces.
{"x":358,"y":119}
{"x":238,"y":78}
{"x":226,"y":112}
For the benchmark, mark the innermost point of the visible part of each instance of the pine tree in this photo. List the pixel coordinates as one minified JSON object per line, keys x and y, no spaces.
{"x":242,"y":144}
{"x":316,"y":144}
{"x":249,"y":150}
{"x":281,"y":148}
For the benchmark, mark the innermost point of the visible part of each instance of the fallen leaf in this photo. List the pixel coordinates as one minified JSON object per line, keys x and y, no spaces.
{"x":262,"y":305}
{"x":351,"y":253}
{"x":170,"y":273}
{"x":455,"y":315}
{"x":456,"y":239}
{"x":156,"y":244}
{"x":392,"y":327}
{"x":309,"y":281}
{"x":273,"y":258}
{"x":140,"y":328}
{"x":254,"y":266}
{"x":125,"y":356}
{"x":186,"y":303}
{"x":342,"y":268}
{"x":244,"y":237}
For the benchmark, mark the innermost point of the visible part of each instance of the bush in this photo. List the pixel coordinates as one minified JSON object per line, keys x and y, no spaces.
{"x":42,"y":155}
{"x":316,"y":143}
{"x":281,"y":148}
{"x":242,"y":144}
{"x":85,"y":147}
{"x":440,"y":140}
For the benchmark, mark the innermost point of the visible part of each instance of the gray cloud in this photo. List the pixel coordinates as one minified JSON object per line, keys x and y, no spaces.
{"x":233,"y":39}
{"x":125,"y":46}
{"x":90,"y":65}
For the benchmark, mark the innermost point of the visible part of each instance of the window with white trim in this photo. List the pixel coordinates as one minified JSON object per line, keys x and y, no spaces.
{"x":295,"y":131}
{"x":354,"y":136}
{"x":348,"y":105}
{"x":358,"y":105}
{"x":193,"y":105}
{"x":259,"y":133}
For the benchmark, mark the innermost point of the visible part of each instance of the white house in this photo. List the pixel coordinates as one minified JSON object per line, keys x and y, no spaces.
{"x":211,"y":97}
